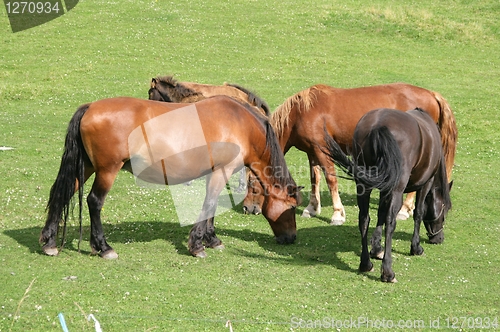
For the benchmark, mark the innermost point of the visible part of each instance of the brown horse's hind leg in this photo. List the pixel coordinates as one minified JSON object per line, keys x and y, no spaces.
{"x":407,"y":208}
{"x":48,"y":235}
{"x":95,"y":200}
{"x":314,"y":207}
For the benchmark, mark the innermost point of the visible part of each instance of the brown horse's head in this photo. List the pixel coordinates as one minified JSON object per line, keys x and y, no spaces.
{"x":160,"y":88}
{"x":252,"y":204}
{"x":279,"y":209}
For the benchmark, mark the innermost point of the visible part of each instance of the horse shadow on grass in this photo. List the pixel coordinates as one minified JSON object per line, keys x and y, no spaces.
{"x":319,"y":245}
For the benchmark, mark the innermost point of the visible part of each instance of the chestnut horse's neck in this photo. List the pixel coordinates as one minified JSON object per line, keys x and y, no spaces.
{"x":287,"y":114}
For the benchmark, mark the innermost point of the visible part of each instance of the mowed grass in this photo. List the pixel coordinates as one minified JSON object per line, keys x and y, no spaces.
{"x":275,"y":48}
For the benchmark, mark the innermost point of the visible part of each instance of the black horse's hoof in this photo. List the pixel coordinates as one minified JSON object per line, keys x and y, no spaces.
{"x":417,"y":252}
{"x":367,"y":267}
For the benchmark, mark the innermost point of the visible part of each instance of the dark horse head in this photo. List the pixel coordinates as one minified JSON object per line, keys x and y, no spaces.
{"x":167,"y":89}
{"x":437,"y":204}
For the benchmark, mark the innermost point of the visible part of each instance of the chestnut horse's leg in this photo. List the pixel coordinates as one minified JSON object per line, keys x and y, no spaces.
{"x":95,"y":200}
{"x":407,"y":208}
{"x":388,"y":209}
{"x":328,"y":167}
{"x":314,"y":206}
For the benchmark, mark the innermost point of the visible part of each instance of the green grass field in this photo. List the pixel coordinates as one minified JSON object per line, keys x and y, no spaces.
{"x":276,"y":48}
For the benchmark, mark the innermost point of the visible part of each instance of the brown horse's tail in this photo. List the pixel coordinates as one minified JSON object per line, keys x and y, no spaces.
{"x":71,"y":173}
{"x":449,"y":132}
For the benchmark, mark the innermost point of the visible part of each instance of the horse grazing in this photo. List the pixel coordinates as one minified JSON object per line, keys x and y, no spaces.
{"x":299,"y":122}
{"x":166,"y":88}
{"x":396,"y":152}
{"x":169,"y":143}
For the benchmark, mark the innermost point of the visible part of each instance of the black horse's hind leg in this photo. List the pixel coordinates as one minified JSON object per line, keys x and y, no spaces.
{"x":363,"y":197}
{"x":389,"y":207}
{"x":95,"y":201}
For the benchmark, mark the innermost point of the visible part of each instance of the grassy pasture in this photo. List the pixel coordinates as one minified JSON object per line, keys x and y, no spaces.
{"x":276,"y":48}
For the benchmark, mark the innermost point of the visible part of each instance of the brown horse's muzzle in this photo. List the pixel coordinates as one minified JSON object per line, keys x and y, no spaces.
{"x":252,"y":209}
{"x":286,"y":239}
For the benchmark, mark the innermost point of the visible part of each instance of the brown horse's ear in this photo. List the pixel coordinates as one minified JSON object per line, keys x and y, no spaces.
{"x":153,"y":82}
{"x":294,"y":190}
{"x":450,"y":185}
{"x":298,"y":195}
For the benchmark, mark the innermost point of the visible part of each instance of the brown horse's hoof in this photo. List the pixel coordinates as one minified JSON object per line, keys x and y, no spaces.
{"x":110,"y":254}
{"x":219,"y":247}
{"x":200,"y":254}
{"x":51,"y":251}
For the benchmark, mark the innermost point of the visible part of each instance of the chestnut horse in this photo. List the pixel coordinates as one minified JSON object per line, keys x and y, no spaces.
{"x":396,"y":152}
{"x":168,"y":89}
{"x":211,"y":138}
{"x":299,"y":122}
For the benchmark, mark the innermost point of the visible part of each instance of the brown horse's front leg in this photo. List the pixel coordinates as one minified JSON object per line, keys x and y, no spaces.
{"x":195,"y":242}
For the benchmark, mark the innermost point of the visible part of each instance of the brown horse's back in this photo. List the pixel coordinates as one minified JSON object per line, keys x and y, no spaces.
{"x":117,"y":130}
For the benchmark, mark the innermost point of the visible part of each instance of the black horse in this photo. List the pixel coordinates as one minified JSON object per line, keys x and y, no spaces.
{"x":396,"y":152}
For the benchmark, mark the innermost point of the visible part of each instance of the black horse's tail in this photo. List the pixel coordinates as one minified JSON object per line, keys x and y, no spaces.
{"x":70,"y":173}
{"x":386,"y":172}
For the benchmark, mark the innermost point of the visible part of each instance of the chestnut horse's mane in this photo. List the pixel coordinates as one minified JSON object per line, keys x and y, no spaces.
{"x":303,"y":100}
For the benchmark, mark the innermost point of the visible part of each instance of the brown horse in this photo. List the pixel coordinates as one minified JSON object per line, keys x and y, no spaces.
{"x":170,"y":143}
{"x":166,"y":88}
{"x":396,"y":152}
{"x":299,"y":122}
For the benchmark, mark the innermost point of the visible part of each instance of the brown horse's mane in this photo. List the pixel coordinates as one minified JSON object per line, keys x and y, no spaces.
{"x":252,"y":98}
{"x":176,"y":90}
{"x":303,"y":101}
